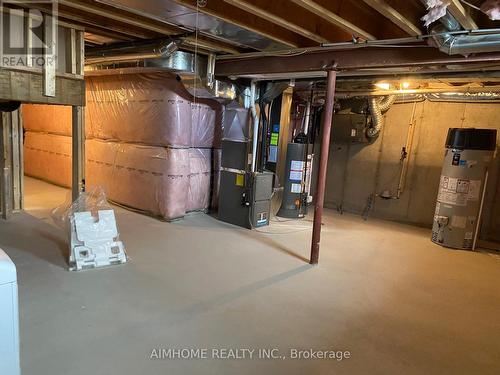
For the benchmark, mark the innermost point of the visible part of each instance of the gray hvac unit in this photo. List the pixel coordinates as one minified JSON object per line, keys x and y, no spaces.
{"x":468,"y":155}
{"x":350,"y":128}
{"x":244,"y":197}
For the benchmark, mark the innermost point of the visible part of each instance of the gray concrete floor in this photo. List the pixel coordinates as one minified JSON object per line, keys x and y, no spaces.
{"x":383,"y":291}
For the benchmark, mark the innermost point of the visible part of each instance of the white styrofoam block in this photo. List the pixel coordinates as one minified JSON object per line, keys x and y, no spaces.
{"x":94,"y":241}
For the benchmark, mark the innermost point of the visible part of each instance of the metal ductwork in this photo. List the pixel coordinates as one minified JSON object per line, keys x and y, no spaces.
{"x":448,"y":39}
{"x":196,"y":72}
{"x":131,"y":51}
{"x":465,"y":44}
{"x":377,"y":108}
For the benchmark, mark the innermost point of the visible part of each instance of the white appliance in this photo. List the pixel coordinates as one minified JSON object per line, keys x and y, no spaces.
{"x":9,"y":318}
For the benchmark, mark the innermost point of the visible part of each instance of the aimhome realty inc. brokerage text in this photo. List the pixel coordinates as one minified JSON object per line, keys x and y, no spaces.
{"x":247,"y":354}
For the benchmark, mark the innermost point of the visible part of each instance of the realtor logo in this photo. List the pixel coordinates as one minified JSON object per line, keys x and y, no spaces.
{"x":28,"y":33}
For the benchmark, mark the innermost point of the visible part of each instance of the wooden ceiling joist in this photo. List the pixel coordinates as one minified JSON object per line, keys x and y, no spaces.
{"x":238,"y":17}
{"x":462,"y":15}
{"x":262,"y":13}
{"x":334,"y":19}
{"x":146,"y":24}
{"x":394,"y":16}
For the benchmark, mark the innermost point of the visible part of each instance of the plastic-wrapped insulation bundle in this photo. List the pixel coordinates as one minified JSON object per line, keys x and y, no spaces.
{"x":205,"y":132}
{"x":48,"y":157}
{"x":150,"y":179}
{"x":152,"y":109}
{"x":200,"y":165}
{"x":55,"y":119}
{"x":139,"y":129}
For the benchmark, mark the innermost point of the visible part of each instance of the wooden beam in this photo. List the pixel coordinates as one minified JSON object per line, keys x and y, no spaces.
{"x":238,"y":17}
{"x":392,"y":14}
{"x":114,"y":14}
{"x":146,"y":24}
{"x":262,"y":13}
{"x":78,"y":151}
{"x":27,"y":86}
{"x":334,"y":19}
{"x":462,"y":15}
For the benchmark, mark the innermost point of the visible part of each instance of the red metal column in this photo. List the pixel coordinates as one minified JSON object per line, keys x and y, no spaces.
{"x":323,"y":163}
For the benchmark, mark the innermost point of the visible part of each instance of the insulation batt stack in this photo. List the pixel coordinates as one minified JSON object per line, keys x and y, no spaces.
{"x":151,"y":179}
{"x":148,"y":145}
{"x":51,"y":119}
{"x":152,"y":109}
{"x":47,"y":143}
{"x":48,"y":157}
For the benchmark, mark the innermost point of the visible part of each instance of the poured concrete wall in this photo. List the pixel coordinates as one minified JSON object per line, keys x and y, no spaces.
{"x":356,"y":172}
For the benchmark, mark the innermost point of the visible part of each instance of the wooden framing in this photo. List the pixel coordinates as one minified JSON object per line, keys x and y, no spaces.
{"x":237,"y":16}
{"x":48,"y":83}
{"x":27,"y":87}
{"x":460,"y":13}
{"x":11,"y":164}
{"x":78,"y":151}
{"x":394,"y":16}
{"x":334,"y":19}
{"x":263,"y":13}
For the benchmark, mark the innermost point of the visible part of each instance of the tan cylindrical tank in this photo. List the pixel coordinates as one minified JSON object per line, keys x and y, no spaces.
{"x":468,"y":155}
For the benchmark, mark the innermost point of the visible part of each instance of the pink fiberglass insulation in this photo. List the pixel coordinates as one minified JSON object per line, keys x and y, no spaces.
{"x":152,"y":109}
{"x":55,"y":119}
{"x":203,"y":122}
{"x":147,"y":178}
{"x":200,"y":176}
{"x":48,"y":157}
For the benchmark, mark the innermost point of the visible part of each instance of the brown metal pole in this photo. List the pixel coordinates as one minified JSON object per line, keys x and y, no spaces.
{"x":323,"y":163}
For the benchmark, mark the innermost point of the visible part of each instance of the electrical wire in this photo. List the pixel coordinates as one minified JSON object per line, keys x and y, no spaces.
{"x":472,"y":6}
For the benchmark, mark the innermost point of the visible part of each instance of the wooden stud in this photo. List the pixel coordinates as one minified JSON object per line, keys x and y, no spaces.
{"x":392,"y":14}
{"x":462,"y":15}
{"x":78,"y":151}
{"x":259,"y":12}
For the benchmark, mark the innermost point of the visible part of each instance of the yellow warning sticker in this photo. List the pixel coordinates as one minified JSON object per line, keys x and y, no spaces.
{"x":240,"y":180}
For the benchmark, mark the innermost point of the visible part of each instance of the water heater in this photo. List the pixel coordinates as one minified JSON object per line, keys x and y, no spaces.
{"x":468,"y":155}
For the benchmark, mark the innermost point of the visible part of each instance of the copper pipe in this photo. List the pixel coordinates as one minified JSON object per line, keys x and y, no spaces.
{"x":323,"y":164}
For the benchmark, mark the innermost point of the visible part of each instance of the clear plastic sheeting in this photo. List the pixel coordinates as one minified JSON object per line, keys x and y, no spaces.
{"x":152,"y":109}
{"x":206,"y":126}
{"x":48,"y":157}
{"x":200,"y":166}
{"x":149,"y":143}
{"x":92,"y":200}
{"x":55,"y":119}
{"x":91,"y":224}
{"x":150,"y":179}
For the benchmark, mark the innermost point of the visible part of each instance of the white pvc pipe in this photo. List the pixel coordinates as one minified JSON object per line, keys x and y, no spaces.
{"x":255,"y":133}
{"x":307,"y":118}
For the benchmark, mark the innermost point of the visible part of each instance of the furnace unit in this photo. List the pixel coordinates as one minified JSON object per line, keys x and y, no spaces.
{"x":244,"y":196}
{"x":468,"y":155}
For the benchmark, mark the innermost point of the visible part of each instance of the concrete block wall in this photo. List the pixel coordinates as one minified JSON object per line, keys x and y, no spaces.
{"x":356,"y":172}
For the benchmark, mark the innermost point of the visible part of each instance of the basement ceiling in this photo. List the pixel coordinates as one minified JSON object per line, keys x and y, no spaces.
{"x":236,"y":26}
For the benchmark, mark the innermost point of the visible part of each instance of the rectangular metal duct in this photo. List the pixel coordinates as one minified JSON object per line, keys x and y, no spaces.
{"x":171,"y":12}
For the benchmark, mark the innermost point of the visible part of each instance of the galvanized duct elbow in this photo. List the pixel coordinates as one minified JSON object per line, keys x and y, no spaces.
{"x":195,"y":71}
{"x":465,"y":44}
{"x":377,"y":107}
{"x":445,"y":38}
